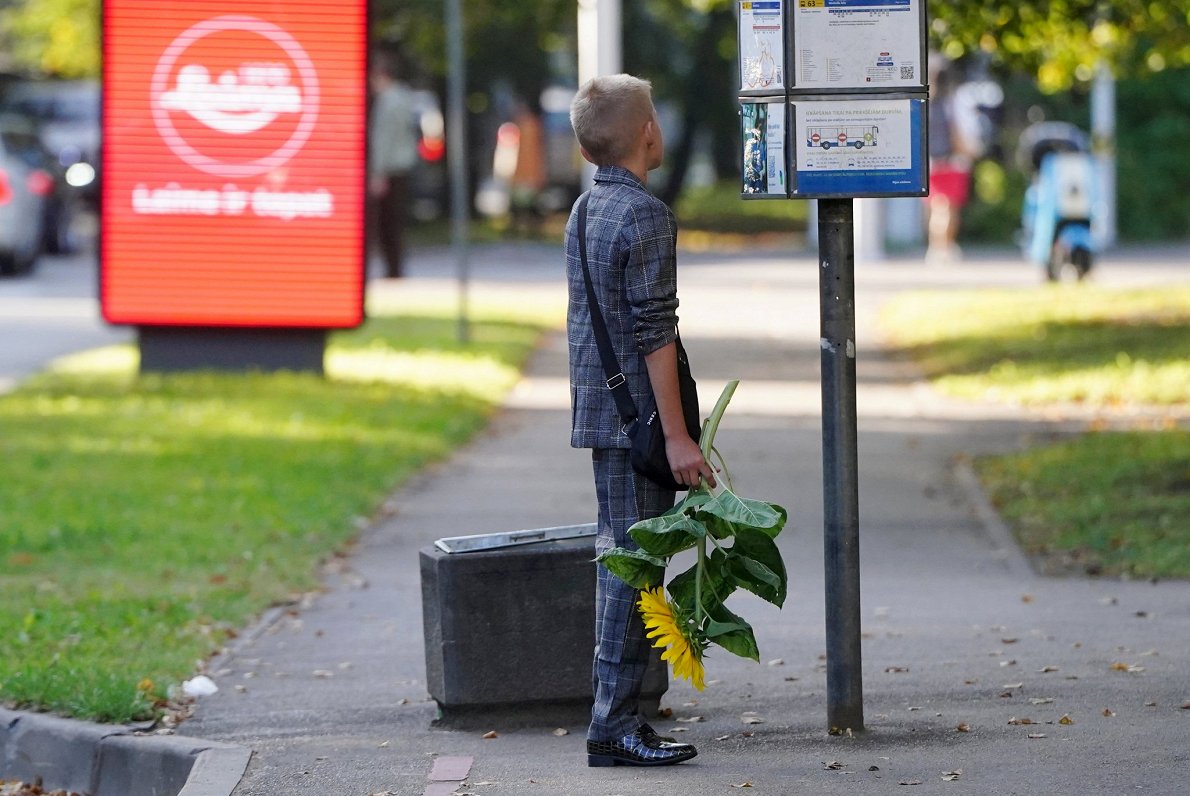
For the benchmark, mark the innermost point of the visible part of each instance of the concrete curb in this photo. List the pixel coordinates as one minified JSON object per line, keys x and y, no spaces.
{"x":108,"y":760}
{"x":1006,"y":548}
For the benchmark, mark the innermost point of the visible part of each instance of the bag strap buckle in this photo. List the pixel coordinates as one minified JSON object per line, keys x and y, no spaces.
{"x":616,"y":381}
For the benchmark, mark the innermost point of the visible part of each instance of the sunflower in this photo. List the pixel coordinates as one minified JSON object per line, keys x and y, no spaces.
{"x":672,"y":635}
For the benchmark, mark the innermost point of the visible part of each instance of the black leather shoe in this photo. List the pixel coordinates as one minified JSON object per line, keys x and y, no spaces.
{"x":635,"y":749}
{"x":649,"y":735}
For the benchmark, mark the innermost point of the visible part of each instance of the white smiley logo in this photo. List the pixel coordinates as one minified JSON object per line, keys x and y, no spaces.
{"x":239,"y":102}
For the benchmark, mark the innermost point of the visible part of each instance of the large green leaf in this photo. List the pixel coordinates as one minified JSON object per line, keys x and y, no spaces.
{"x":755,"y":563}
{"x":635,"y":567}
{"x":694,"y":498}
{"x":735,"y":635}
{"x":668,"y":534}
{"x":745,"y":512}
{"x":717,"y":584}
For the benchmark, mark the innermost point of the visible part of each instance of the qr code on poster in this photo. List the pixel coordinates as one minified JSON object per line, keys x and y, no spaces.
{"x":906,"y":72}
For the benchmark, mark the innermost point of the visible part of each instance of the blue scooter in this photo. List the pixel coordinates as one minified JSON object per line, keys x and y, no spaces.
{"x":1059,"y":203}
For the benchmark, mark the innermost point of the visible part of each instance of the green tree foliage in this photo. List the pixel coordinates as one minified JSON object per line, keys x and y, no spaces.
{"x":1060,"y":41}
{"x":53,"y":37}
{"x":514,"y":41}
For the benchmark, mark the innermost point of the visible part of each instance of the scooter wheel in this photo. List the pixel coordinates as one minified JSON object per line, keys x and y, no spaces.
{"x":1081,"y":259}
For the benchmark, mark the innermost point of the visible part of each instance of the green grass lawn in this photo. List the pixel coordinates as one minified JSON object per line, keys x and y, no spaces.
{"x":144,"y":520}
{"x":1073,"y":343}
{"x":1108,"y":503}
{"x":1105,"y":503}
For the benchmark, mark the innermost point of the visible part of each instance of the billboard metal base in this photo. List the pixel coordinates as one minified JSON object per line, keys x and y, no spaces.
{"x":166,"y":349}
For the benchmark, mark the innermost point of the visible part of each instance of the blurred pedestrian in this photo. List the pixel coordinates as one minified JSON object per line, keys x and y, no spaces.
{"x":529,"y":176}
{"x":953,"y":150}
{"x":392,"y":155}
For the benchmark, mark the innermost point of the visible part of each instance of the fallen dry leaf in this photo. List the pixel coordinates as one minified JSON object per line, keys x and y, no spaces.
{"x":723,"y":737}
{"x":775,"y":662}
{"x":1036,"y":735}
{"x":1026,"y":598}
{"x":1047,"y":669}
{"x":561,"y":731}
{"x":679,"y":729}
{"x":487,"y":736}
{"x":873,"y":768}
{"x":1007,"y":663}
{"x":1015,"y":722}
{"x":383,"y":745}
{"x":1150,"y":704}
{"x":964,"y":727}
{"x":1108,"y":712}
{"x":833,"y":765}
{"x":1014,"y":685}
{"x":896,"y":669}
{"x":748,"y":734}
{"x":914,"y":708}
{"x":951,"y":776}
{"x":1066,"y":720}
{"x":741,"y":785}
{"x":690,"y":719}
{"x":1009,"y":640}
{"x":1006,"y":695}
{"x":1186,"y":705}
{"x":910,"y":782}
{"x":752,"y":720}
{"x":1041,"y":701}
{"x":970,"y":682}
{"x":665,"y":713}
{"x":1119,"y":667}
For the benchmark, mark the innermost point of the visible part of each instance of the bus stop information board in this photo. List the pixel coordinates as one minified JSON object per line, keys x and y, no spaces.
{"x":833,"y":98}
{"x":234,"y":163}
{"x":857,"y":44}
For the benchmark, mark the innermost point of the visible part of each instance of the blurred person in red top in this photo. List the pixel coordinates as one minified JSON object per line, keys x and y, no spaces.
{"x":953,"y":151}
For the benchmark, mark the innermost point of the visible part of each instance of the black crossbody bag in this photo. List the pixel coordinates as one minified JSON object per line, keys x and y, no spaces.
{"x":643,"y":428}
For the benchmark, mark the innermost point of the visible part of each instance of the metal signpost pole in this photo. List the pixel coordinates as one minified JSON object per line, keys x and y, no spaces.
{"x":833,"y":108}
{"x":456,"y":142}
{"x":840,"y":465}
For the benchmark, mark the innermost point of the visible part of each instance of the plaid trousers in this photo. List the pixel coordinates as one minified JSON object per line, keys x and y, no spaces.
{"x":621,"y":649}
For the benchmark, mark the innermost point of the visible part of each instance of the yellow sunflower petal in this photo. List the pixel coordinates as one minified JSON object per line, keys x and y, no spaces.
{"x":663,"y":627}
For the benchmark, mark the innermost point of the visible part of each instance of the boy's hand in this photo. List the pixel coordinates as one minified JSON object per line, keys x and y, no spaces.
{"x":686,"y":461}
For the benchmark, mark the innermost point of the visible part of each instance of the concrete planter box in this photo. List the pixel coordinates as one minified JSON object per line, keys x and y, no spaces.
{"x":511,"y":631}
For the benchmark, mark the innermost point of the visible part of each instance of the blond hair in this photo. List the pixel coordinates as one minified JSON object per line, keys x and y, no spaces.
{"x":607,"y":115}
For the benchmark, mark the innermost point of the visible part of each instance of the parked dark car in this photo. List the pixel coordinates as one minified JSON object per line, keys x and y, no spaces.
{"x":66,"y":113}
{"x":26,"y":191}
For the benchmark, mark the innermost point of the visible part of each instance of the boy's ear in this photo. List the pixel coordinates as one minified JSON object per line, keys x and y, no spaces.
{"x":586,"y":155}
{"x":650,"y":133}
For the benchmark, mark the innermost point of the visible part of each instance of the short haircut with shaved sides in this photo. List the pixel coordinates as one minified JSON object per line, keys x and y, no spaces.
{"x":607,"y":114}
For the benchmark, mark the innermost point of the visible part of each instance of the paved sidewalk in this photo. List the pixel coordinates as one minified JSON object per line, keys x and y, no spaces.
{"x":958,"y":631}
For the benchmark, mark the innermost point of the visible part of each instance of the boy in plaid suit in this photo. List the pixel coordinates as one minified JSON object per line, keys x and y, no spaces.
{"x":631,"y":238}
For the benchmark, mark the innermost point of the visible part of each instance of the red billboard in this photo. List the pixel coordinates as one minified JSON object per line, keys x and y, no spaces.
{"x":233,"y":162}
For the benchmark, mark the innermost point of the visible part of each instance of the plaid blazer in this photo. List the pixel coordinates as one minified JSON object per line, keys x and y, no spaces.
{"x":631,"y":240}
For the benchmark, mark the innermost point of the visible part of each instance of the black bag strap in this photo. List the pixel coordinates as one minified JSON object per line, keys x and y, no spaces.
{"x":616,"y":382}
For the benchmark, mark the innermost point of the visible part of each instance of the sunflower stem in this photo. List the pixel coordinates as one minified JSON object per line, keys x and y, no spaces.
{"x":707,"y":444}
{"x":707,"y":440}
